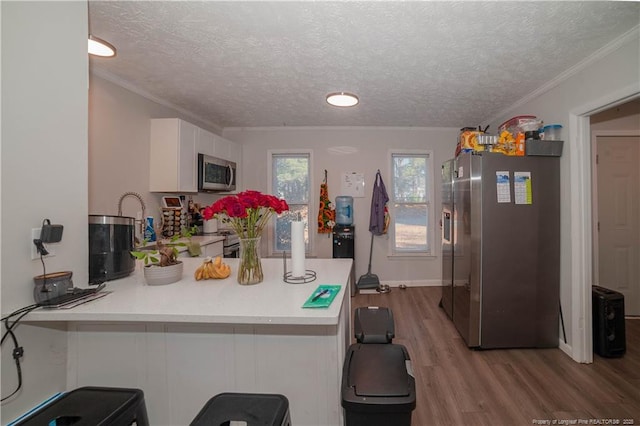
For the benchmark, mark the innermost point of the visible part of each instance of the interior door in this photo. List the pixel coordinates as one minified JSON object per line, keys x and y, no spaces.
{"x":619,"y":217}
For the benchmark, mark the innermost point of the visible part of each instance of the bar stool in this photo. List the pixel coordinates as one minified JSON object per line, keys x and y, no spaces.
{"x":253,"y":408}
{"x":93,"y":406}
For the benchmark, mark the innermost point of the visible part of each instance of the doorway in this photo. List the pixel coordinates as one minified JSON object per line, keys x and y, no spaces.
{"x":617,"y":233}
{"x":615,"y":137}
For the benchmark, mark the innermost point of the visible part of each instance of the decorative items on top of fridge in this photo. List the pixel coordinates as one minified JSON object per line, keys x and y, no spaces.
{"x":518,"y":136}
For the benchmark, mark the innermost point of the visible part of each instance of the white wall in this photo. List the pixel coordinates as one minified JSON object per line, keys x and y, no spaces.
{"x":119,"y":128}
{"x":44,"y":175}
{"x":371,"y":146}
{"x":593,"y":84}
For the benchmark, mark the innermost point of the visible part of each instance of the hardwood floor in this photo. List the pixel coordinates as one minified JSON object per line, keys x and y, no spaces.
{"x":458,"y":386}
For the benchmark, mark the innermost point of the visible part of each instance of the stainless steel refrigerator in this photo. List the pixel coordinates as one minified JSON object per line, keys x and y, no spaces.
{"x":501,"y":249}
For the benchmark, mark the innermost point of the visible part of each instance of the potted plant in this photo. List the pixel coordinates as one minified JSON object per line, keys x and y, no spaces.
{"x":161,"y":265}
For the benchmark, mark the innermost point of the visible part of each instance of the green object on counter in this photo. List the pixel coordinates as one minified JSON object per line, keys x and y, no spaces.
{"x":194,"y":248}
{"x":322,"y":296}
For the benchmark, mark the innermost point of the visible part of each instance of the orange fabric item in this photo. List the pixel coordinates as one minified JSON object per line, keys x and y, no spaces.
{"x":326,"y":213}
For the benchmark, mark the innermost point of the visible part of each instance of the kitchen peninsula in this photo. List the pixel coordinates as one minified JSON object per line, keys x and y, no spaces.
{"x":185,"y":342}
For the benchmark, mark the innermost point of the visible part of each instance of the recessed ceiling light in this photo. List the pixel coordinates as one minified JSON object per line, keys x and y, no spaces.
{"x":99,"y":47}
{"x":342,"y":99}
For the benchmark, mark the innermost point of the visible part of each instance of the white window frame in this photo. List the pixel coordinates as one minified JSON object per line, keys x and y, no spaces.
{"x":311,"y":201}
{"x":431,"y":220}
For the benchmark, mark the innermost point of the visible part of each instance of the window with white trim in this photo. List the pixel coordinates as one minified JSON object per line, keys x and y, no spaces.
{"x":411,"y":203}
{"x":290,"y":178}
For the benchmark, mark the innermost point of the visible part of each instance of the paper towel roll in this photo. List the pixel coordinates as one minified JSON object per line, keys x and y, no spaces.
{"x":297,"y":249}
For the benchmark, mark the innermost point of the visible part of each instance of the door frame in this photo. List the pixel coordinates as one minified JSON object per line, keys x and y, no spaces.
{"x":594,"y":185}
{"x":581,"y":217}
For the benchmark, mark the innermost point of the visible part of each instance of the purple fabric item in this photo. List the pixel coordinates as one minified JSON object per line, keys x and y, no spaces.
{"x":378,"y":202}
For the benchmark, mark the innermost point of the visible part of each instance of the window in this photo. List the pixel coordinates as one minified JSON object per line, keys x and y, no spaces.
{"x":411,"y":203}
{"x":290,"y":178}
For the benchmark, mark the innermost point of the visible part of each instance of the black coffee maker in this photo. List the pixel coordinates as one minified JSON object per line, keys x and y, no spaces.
{"x":111,"y":240}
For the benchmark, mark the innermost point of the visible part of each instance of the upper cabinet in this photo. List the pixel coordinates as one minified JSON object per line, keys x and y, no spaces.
{"x":172,"y":164}
{"x":226,"y":150}
{"x":205,"y":142}
{"x":174,"y":146}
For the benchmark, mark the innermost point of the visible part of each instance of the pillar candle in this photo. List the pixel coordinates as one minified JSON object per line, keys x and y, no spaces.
{"x":297,"y":249}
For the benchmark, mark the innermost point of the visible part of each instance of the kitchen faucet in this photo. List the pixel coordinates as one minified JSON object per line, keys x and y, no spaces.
{"x":139,"y":197}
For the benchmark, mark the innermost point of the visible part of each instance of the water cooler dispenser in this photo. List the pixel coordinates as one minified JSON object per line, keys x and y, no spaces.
{"x":344,"y":210}
{"x":344,"y":248}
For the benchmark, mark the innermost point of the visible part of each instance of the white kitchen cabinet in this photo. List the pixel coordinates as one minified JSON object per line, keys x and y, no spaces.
{"x":235,"y":152}
{"x":222,"y":148}
{"x":213,"y":250}
{"x":205,"y":142}
{"x":231,"y":151}
{"x":173,"y":156}
{"x":226,"y":149}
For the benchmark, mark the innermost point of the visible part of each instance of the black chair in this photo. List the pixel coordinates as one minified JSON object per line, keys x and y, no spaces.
{"x":93,"y":406}
{"x":253,"y":408}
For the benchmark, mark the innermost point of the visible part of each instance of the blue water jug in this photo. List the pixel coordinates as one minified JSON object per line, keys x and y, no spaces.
{"x":344,"y":210}
{"x":149,"y":232}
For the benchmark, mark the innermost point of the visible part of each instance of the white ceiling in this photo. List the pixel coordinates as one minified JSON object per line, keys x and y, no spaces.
{"x":433,"y":64}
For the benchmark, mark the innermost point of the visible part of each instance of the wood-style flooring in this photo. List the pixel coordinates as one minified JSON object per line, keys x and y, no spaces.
{"x":458,"y":386}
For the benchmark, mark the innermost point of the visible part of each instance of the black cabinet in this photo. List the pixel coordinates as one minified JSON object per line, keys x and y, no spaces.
{"x":344,"y":237}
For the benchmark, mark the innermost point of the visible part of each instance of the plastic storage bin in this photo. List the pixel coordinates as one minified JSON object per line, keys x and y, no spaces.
{"x":344,"y":210}
{"x":251,"y":408}
{"x":378,"y":388}
{"x":374,"y":325}
{"x":93,"y":406}
{"x":552,"y":132}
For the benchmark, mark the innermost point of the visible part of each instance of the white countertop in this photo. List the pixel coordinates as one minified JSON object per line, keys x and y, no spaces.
{"x":272,"y":301}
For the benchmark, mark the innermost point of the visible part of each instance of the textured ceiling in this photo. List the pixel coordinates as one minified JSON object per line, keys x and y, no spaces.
{"x":434,"y":64}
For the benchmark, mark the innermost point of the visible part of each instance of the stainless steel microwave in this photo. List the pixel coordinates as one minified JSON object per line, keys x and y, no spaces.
{"x":216,"y":174}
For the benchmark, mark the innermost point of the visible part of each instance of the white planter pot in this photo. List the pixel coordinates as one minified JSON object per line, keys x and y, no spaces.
{"x":156,"y":275}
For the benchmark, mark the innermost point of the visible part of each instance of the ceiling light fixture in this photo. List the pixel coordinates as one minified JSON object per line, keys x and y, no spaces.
{"x":342,"y":99}
{"x":99,"y":47}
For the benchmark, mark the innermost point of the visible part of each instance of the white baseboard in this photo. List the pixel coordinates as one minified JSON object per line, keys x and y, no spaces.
{"x":566,"y":348}
{"x":397,"y":284}
{"x":414,"y":283}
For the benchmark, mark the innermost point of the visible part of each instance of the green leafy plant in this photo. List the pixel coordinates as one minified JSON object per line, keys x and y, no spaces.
{"x":167,"y":253}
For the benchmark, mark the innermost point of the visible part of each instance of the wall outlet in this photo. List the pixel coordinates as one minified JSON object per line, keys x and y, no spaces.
{"x":35,"y":234}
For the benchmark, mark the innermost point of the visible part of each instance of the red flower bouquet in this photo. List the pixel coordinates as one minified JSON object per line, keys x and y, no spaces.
{"x":247,"y":213}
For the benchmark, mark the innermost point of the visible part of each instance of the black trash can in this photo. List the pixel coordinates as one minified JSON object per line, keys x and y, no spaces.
{"x":373,"y":325}
{"x":253,"y":408}
{"x":378,"y":387}
{"x":609,"y":338}
{"x":93,"y":406}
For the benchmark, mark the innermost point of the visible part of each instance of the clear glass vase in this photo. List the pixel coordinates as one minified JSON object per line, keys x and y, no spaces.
{"x":250,"y":266}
